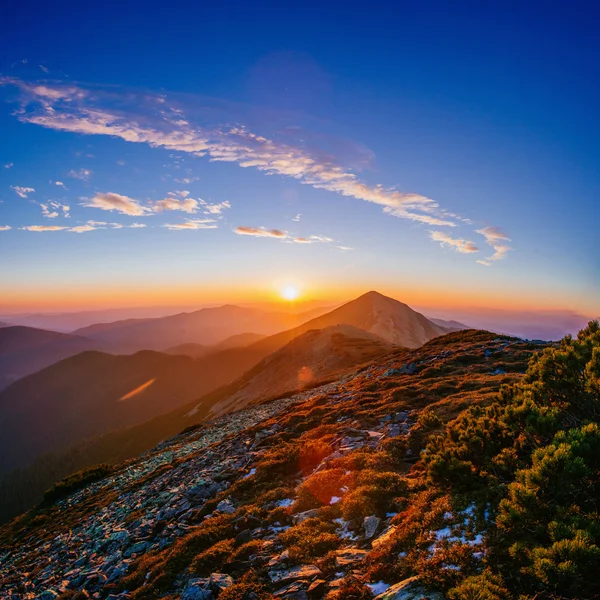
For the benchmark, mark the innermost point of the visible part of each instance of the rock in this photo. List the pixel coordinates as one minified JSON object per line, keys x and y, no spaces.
{"x":384,"y":537}
{"x":316,"y":589}
{"x":226,"y":506}
{"x":307,"y":514}
{"x":295,"y":573}
{"x":299,"y":595}
{"x":291,"y":589}
{"x":349,"y":556}
{"x":121,"y":536}
{"x":196,"y":592}
{"x":409,"y":589}
{"x":220,"y":581}
{"x":243,"y":537}
{"x":407,"y":369}
{"x":370,"y":525}
{"x":48,"y":595}
{"x":498,"y":371}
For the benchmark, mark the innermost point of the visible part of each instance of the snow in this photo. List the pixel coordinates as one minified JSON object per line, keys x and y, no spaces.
{"x":378,"y":588}
{"x":284,"y":503}
{"x":334,"y":500}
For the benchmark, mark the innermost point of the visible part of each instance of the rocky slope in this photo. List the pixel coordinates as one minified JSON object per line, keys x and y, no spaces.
{"x":302,"y":497}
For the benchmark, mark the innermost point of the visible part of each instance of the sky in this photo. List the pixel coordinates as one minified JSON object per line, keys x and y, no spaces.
{"x":204,"y":153}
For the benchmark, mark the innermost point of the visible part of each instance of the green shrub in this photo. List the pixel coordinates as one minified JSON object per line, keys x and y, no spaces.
{"x":76,"y":482}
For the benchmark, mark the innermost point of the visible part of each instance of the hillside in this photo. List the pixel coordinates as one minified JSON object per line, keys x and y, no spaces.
{"x":240,"y":340}
{"x":311,"y":357}
{"x":207,"y":327}
{"x":328,"y":493}
{"x":25,"y":350}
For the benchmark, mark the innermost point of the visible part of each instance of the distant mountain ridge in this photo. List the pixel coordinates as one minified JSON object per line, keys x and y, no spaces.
{"x":25,"y":350}
{"x":208,"y":326}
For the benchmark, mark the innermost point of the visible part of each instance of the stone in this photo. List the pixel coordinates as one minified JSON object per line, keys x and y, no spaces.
{"x":307,"y":514}
{"x":409,"y":589}
{"x":226,"y":506}
{"x":384,"y":537}
{"x":317,"y":588}
{"x":295,"y":573}
{"x":196,"y":592}
{"x":370,"y":525}
{"x":349,"y":556}
{"x":121,"y":536}
{"x":48,"y":595}
{"x":243,"y":537}
{"x":220,"y":581}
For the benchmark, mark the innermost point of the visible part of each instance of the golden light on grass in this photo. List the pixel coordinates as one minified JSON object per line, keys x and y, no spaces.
{"x":137,"y":390}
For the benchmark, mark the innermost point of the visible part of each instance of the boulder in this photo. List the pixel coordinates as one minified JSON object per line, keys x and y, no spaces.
{"x":370,"y":525}
{"x":349,"y":556}
{"x":409,"y":589}
{"x":295,"y":573}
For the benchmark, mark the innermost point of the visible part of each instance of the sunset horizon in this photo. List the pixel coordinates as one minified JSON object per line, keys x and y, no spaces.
{"x":299,"y":301}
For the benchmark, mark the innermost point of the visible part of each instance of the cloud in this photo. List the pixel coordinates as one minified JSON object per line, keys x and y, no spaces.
{"x":345,"y":248}
{"x":9,"y":165}
{"x":261,"y":232}
{"x":51,"y":210}
{"x":485,"y":263}
{"x":462,"y":246}
{"x":60,"y":184}
{"x":297,"y":218}
{"x":180,"y":193}
{"x":215,"y":209}
{"x":496,"y":239}
{"x":203,"y":127}
{"x":150,"y":119}
{"x":83,"y":174}
{"x":23,"y":192}
{"x":122,"y":204}
{"x":44,"y":228}
{"x":95,"y":225}
{"x":188,"y":205}
{"x":5,"y":227}
{"x":83,"y":228}
{"x":192,"y":224}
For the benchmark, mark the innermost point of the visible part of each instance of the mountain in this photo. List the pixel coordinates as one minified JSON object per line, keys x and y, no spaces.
{"x":93,"y":393}
{"x":449,"y":326}
{"x":323,"y":493}
{"x":309,"y":358}
{"x":240,"y":340}
{"x":343,"y":346}
{"x":208,"y":326}
{"x":24,"y":350}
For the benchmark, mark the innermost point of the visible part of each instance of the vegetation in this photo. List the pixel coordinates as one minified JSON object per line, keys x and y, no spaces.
{"x":75,"y":482}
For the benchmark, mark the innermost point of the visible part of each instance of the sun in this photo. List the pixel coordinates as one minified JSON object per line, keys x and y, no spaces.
{"x":290,"y":292}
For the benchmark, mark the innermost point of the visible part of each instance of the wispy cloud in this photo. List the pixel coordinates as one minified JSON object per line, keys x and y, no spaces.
{"x":188,"y":205}
{"x":95,"y":225}
{"x":261,"y":232}
{"x":60,"y":184}
{"x":192,"y":224}
{"x":119,"y":203}
{"x":52,"y":209}
{"x":9,"y":165}
{"x":44,"y":228}
{"x":280,"y":234}
{"x":215,"y":209}
{"x":198,"y":128}
{"x":462,"y":246}
{"x":82,"y":174}
{"x":497,"y":240}
{"x":23,"y":192}
{"x":5,"y":227}
{"x":297,"y":218}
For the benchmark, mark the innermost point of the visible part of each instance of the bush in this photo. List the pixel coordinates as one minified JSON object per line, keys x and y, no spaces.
{"x":213,"y":559}
{"x":76,"y":482}
{"x":310,"y":539}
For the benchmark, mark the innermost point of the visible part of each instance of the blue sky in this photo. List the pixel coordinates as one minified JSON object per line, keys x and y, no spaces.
{"x":208,"y":153}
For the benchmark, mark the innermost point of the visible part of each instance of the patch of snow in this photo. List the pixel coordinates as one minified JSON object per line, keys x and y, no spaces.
{"x":378,"y":588}
{"x":334,"y":500}
{"x":284,"y":503}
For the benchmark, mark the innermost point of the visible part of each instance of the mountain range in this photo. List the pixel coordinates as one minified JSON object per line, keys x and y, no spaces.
{"x":90,"y":394}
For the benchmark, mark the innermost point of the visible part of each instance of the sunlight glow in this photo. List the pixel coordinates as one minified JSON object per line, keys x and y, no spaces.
{"x":290,"y":292}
